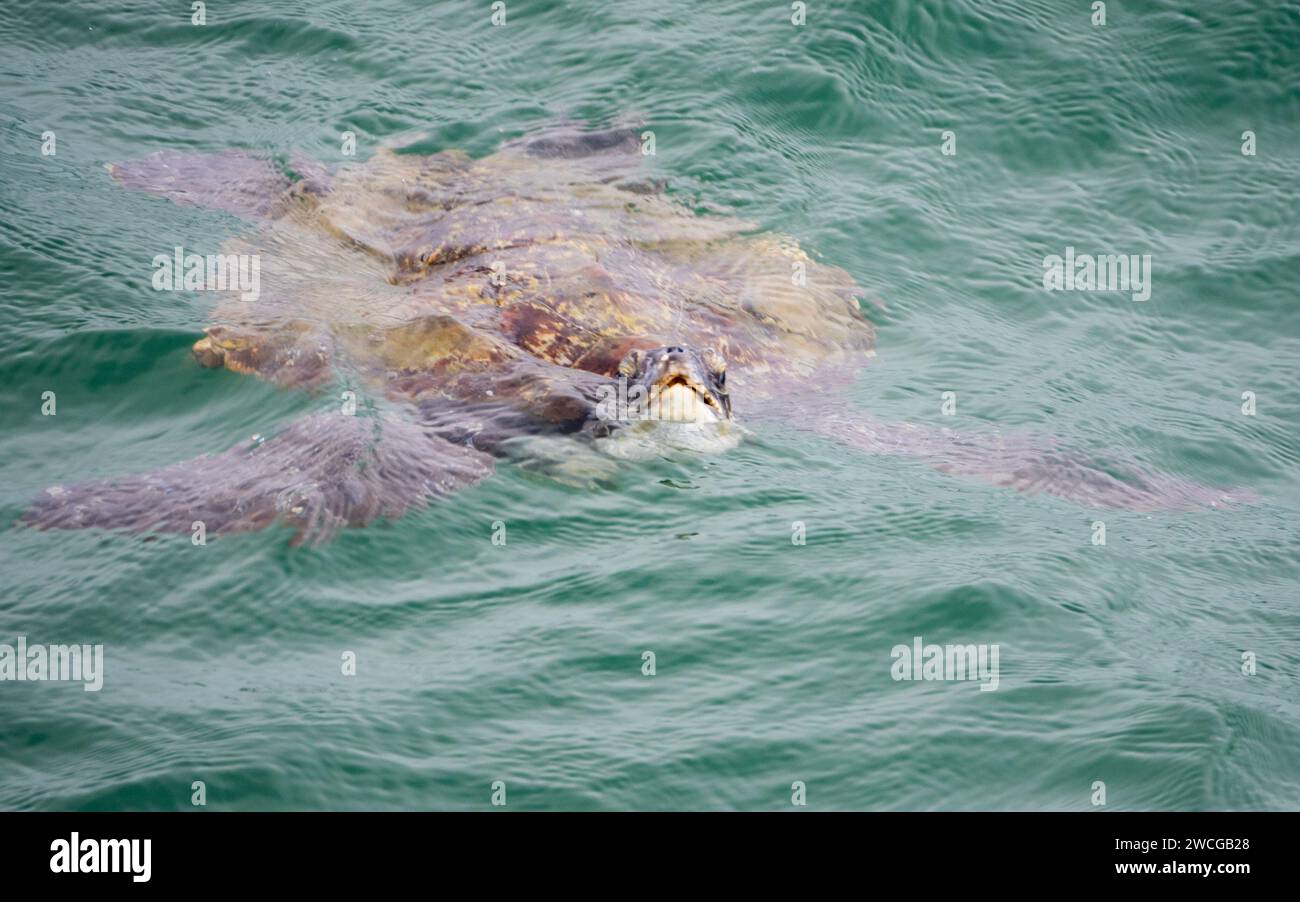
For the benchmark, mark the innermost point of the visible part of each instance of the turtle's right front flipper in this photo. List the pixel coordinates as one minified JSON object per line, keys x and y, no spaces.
{"x":322,"y":473}
{"x":236,"y":181}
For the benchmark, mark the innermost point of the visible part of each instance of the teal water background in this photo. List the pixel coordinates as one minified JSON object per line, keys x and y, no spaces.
{"x":522,"y":663}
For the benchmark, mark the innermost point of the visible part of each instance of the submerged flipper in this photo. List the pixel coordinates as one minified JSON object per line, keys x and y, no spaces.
{"x":1026,"y":464}
{"x":572,"y":141}
{"x":604,"y":154}
{"x":322,"y":473}
{"x":236,"y":181}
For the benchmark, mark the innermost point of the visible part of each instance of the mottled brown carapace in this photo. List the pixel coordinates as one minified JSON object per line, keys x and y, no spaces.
{"x":444,"y":275}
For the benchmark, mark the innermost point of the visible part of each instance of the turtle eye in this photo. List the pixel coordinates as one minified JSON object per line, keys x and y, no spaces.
{"x":722,"y":378}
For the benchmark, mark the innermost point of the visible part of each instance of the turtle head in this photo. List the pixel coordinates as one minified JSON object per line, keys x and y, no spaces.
{"x":679,"y":384}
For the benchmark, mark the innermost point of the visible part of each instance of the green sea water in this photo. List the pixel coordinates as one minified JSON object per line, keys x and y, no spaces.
{"x":1120,"y":663}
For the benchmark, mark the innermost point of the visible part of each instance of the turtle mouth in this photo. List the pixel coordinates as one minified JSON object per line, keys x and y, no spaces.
{"x":677,"y":385}
{"x":679,"y":399}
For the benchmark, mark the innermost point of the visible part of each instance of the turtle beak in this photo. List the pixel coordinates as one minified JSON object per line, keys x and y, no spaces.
{"x":678,"y":385}
{"x":684,"y":388}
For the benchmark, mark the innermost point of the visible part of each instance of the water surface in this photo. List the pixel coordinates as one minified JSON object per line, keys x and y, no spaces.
{"x":522,"y":663}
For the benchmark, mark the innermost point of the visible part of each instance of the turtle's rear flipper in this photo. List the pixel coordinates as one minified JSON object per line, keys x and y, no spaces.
{"x":569,"y":142}
{"x":236,"y":181}
{"x":605,"y":154}
{"x":323,"y":473}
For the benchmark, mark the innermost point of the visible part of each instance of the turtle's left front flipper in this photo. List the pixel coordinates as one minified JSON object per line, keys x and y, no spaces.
{"x":236,"y":181}
{"x":1024,"y":463}
{"x":322,"y":473}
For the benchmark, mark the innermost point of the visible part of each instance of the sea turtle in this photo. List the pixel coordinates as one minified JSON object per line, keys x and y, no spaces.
{"x":542,"y":304}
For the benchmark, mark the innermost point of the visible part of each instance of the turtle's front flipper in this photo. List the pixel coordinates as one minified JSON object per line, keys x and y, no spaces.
{"x":236,"y":181}
{"x":1023,"y":463}
{"x":322,"y":473}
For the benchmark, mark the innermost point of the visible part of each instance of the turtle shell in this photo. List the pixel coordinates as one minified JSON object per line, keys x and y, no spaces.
{"x":437,"y":273}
